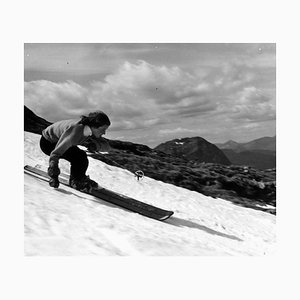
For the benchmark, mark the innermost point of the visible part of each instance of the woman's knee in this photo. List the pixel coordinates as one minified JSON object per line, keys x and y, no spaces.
{"x":76,"y":156}
{"x":46,"y":146}
{"x":82,"y":156}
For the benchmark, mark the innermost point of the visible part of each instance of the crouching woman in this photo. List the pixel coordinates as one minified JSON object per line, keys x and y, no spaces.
{"x":60,"y":141}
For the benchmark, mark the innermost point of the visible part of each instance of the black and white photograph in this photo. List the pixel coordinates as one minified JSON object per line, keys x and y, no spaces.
{"x":150,"y":149}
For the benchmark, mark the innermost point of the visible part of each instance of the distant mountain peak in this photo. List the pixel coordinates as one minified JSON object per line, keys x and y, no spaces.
{"x":194,"y":148}
{"x":259,"y":153}
{"x":263,"y":143}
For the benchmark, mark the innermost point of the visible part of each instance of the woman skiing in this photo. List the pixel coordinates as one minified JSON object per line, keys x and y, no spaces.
{"x":60,"y":140}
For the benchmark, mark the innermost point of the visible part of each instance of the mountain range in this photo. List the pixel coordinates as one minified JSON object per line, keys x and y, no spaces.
{"x":259,"y":153}
{"x":264,"y":143}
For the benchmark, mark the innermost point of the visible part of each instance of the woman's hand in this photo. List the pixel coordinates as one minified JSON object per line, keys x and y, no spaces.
{"x":99,"y":145}
{"x":53,"y":172}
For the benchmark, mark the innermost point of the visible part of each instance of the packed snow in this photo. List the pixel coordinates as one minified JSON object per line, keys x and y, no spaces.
{"x":66,"y":222}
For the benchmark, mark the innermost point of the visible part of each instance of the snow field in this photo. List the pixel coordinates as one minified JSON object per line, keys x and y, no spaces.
{"x":66,"y":222}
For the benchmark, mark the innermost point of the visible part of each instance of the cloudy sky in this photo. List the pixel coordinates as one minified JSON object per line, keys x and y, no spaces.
{"x":157,"y":92}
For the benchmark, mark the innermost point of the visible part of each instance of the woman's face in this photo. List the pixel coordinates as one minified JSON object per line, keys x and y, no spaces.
{"x":99,"y":131}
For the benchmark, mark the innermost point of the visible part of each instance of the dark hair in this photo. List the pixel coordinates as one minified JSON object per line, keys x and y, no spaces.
{"x":95,"y":119}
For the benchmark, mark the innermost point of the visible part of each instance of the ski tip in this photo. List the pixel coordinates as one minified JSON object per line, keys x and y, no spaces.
{"x":166,"y":216}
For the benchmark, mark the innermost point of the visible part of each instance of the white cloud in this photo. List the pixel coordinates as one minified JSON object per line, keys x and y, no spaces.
{"x":253,"y":105}
{"x":145,"y":81}
{"x":175,"y":130}
{"x":253,"y":95}
{"x":55,"y":101}
{"x":142,"y":95}
{"x":134,"y":92}
{"x":259,"y":113}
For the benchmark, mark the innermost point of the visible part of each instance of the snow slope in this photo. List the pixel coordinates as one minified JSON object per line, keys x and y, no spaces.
{"x":66,"y":222}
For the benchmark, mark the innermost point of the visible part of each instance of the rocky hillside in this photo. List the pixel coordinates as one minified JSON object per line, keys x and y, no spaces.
{"x":33,"y":123}
{"x":242,"y":185}
{"x":196,"y":149}
{"x":260,"y":159}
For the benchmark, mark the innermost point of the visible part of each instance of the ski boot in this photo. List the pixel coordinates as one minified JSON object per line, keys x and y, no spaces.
{"x":54,"y":182}
{"x":83,"y":184}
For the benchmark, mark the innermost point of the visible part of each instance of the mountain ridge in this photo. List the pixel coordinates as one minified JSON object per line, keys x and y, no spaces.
{"x":263,"y":143}
{"x":34,"y":123}
{"x":194,"y":148}
{"x":259,"y":153}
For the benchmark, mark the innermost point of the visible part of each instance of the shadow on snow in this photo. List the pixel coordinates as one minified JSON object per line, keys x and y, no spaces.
{"x":185,"y":223}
